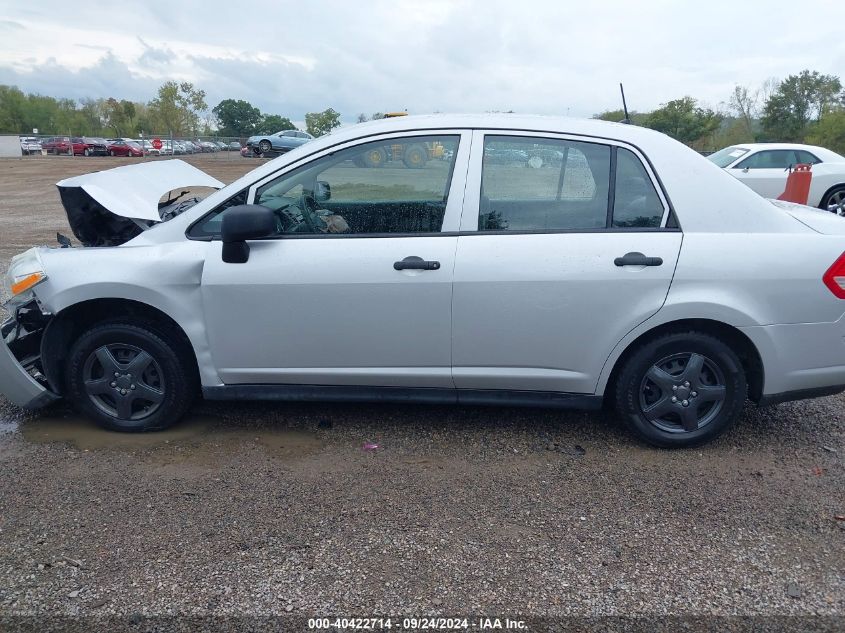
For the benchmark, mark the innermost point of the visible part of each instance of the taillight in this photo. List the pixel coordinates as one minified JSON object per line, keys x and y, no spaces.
{"x":834,"y":278}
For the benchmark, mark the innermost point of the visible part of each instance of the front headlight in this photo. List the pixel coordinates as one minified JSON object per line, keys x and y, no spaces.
{"x":25,"y":271}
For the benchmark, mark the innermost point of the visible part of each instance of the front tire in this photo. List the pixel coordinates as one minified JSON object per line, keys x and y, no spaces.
{"x":681,"y":390}
{"x":265,"y":146}
{"x":130,"y":378}
{"x":835,"y":199}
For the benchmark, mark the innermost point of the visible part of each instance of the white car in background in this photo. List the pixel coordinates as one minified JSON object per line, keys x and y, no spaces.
{"x":765,"y":167}
{"x":637,"y":274}
{"x":30,"y":145}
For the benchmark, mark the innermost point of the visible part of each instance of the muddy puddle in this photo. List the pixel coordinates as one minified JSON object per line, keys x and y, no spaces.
{"x":199,"y":433}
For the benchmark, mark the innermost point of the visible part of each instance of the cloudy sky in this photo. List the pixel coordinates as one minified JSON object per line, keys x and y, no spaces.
{"x":531,"y":56}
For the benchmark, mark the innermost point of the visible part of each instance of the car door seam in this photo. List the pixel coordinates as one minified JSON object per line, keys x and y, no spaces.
{"x":455,"y":263}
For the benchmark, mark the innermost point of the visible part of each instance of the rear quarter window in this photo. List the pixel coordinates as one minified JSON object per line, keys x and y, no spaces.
{"x":636,"y":203}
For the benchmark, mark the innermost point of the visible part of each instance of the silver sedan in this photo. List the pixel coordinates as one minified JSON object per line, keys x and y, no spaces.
{"x":612,"y":265}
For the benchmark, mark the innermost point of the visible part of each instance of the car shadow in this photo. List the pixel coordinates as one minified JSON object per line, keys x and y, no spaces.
{"x":469,"y":428}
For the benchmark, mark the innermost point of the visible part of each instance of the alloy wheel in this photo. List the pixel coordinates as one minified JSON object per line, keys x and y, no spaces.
{"x":123,"y":381}
{"x":682,"y":393}
{"x":836,"y":202}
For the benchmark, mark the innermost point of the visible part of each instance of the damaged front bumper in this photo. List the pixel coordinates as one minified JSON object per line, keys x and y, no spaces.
{"x":21,"y":379}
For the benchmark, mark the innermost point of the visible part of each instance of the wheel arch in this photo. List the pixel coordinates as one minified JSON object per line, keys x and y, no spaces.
{"x":74,"y":319}
{"x":830,"y":190}
{"x":743,"y":346}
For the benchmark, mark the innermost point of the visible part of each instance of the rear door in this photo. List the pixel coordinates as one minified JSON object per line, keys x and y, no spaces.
{"x":566,"y":244}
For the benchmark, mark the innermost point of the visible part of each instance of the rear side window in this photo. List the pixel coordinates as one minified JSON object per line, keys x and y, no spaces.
{"x":636,"y":203}
{"x":806,"y":157}
{"x":532,"y":183}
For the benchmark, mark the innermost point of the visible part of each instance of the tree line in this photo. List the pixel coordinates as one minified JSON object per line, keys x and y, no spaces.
{"x":178,"y":109}
{"x":807,"y":107}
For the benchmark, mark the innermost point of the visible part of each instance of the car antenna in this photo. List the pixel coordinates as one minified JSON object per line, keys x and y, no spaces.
{"x":624,"y":105}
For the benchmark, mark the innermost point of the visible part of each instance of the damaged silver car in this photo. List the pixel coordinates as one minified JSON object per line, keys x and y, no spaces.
{"x":616,"y":266}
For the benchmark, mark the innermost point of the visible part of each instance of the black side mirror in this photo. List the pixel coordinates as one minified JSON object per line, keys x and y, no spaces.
{"x":241,"y":223}
{"x":322,"y":191}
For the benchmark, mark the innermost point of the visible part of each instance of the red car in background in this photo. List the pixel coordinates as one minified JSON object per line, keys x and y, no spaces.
{"x":57,"y":145}
{"x":122,"y":147}
{"x":88,"y":146}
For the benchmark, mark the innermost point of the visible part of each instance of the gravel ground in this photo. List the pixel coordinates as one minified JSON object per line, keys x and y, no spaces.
{"x":257,"y":510}
{"x":261,"y":509}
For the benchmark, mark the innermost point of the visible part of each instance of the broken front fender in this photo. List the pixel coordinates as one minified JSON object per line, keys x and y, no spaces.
{"x":17,"y":382}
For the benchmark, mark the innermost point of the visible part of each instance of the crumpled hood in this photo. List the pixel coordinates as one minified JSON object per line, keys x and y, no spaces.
{"x":108,"y":208}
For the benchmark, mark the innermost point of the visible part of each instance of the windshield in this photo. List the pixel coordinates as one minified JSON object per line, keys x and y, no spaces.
{"x":725,"y":157}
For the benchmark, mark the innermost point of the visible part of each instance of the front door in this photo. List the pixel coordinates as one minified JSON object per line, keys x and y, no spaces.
{"x":557,"y":261}
{"x":355,"y":287}
{"x":766,"y":171}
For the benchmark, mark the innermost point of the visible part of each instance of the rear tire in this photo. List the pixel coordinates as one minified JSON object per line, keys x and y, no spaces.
{"x":691,"y":367}
{"x":131,"y":378}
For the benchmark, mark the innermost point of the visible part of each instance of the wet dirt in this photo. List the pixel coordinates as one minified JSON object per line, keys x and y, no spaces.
{"x":205,"y":435}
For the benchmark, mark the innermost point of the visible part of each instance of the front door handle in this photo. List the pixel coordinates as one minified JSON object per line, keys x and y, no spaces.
{"x":638,"y":259}
{"x":416,"y":263}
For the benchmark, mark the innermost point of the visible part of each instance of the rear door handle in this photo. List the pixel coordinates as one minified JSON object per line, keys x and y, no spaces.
{"x":637,"y":259}
{"x":416,"y":263}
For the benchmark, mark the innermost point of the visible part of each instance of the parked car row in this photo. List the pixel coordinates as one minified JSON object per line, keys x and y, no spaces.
{"x":197,"y":147}
{"x":126,"y":147}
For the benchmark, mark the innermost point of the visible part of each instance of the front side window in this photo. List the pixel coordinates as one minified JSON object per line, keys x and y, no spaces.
{"x":394,"y":186}
{"x":769,"y":159}
{"x":543,"y":184}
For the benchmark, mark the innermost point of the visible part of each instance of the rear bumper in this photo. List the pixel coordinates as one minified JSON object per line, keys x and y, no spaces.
{"x":801,"y":394}
{"x":800,"y":360}
{"x":18,"y":386}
